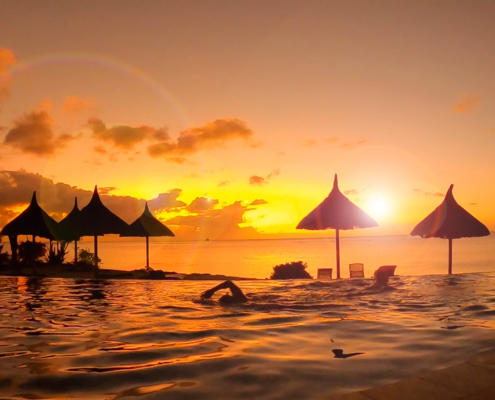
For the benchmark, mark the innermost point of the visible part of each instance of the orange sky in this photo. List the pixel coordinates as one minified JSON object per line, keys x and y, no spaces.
{"x":243,"y":101}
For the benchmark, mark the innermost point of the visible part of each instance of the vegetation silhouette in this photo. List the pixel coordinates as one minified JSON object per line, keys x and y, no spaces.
{"x":339,"y":213}
{"x":292,"y":270}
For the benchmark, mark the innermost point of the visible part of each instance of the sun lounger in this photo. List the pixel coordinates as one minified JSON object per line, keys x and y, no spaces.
{"x":389,"y":268}
{"x":324,"y":273}
{"x":356,"y":270}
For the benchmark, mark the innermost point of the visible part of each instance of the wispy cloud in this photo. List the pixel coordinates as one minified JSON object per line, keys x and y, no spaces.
{"x":259,"y":180}
{"x":420,"y":192}
{"x":258,"y":202}
{"x":466,"y":103}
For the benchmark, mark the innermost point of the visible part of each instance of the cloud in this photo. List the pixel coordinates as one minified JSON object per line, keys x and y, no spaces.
{"x":420,"y":192}
{"x":219,"y":224}
{"x":125,"y":136}
{"x":100,"y":149}
{"x":259,"y":180}
{"x":223,"y":183}
{"x":353,"y":144}
{"x":310,"y":143}
{"x":33,"y":134}
{"x":16,"y":189}
{"x":466,"y":103}
{"x":331,"y":139}
{"x":473,"y":204}
{"x":6,"y":59}
{"x":352,"y":192}
{"x":200,"y":204}
{"x":258,"y":202}
{"x":256,"y":180}
{"x":212,"y":135}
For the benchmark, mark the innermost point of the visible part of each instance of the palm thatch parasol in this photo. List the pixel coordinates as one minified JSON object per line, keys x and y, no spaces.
{"x":145,"y":226}
{"x":71,"y":227}
{"x":450,"y":221}
{"x":339,"y":213}
{"x":98,"y":221}
{"x":33,"y":221}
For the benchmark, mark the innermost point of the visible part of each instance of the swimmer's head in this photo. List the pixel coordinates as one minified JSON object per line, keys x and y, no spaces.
{"x":227,"y":299}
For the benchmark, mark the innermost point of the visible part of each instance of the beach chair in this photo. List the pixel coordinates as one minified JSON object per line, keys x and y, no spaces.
{"x":356,"y":270}
{"x":324,"y":273}
{"x":389,"y":268}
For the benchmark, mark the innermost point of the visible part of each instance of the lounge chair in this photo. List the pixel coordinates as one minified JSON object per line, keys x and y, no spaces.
{"x":324,"y":273}
{"x":389,"y":268}
{"x":356,"y":270}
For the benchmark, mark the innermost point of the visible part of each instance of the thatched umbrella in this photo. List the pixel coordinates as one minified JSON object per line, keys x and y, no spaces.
{"x":450,"y":221}
{"x":336,"y":212}
{"x":33,"y":221}
{"x":145,"y":226}
{"x":71,"y":227}
{"x":98,"y":221}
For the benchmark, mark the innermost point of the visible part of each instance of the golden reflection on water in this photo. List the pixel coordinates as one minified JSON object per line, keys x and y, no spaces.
{"x":295,"y":339}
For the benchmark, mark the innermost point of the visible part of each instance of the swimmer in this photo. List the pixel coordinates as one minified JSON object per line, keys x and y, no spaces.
{"x":236,"y":297}
{"x":381,"y":281}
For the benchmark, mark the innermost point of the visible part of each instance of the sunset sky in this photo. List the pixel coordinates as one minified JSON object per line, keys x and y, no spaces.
{"x":232,"y":117}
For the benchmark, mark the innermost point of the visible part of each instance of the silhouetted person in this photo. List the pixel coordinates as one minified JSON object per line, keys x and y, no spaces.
{"x":236,"y":297}
{"x":381,"y":281}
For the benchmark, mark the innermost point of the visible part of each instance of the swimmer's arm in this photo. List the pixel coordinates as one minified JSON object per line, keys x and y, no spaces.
{"x":236,"y":292}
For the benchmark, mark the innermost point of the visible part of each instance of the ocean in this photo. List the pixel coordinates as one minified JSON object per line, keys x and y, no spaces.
{"x":299,"y":339}
{"x":256,"y":258}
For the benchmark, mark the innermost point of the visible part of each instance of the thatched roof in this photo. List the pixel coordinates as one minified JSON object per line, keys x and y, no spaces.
{"x":99,"y":220}
{"x":33,"y":221}
{"x":147,"y":225}
{"x":71,"y":227}
{"x":450,"y":221}
{"x":336,"y":212}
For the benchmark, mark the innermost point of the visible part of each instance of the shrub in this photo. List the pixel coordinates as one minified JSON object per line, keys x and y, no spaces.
{"x":30,"y":252}
{"x":56,"y":255}
{"x":4,"y":257}
{"x":85,"y":256}
{"x":293,"y":270}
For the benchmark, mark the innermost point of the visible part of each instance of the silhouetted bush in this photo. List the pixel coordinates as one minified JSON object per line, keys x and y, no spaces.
{"x":56,"y":255}
{"x":86,"y":257}
{"x":293,"y":270}
{"x":30,"y":252}
{"x":4,"y":258}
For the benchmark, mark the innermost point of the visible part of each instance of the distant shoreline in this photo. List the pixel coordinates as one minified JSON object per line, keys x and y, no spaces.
{"x":67,"y":271}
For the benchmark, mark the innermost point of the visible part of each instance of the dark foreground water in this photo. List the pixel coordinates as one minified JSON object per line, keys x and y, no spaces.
{"x":299,"y":339}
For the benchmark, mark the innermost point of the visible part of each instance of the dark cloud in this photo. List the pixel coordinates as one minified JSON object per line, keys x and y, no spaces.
{"x":16,"y":189}
{"x":200,"y":204}
{"x":466,"y":103}
{"x":214,"y":134}
{"x":258,"y":202}
{"x":33,"y":134}
{"x":124,"y":136}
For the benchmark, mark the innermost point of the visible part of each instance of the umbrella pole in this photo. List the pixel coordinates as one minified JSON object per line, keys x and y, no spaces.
{"x":450,"y":256}
{"x":96,"y":257}
{"x":337,"y":245}
{"x":147,"y":254}
{"x":75,"y":251}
